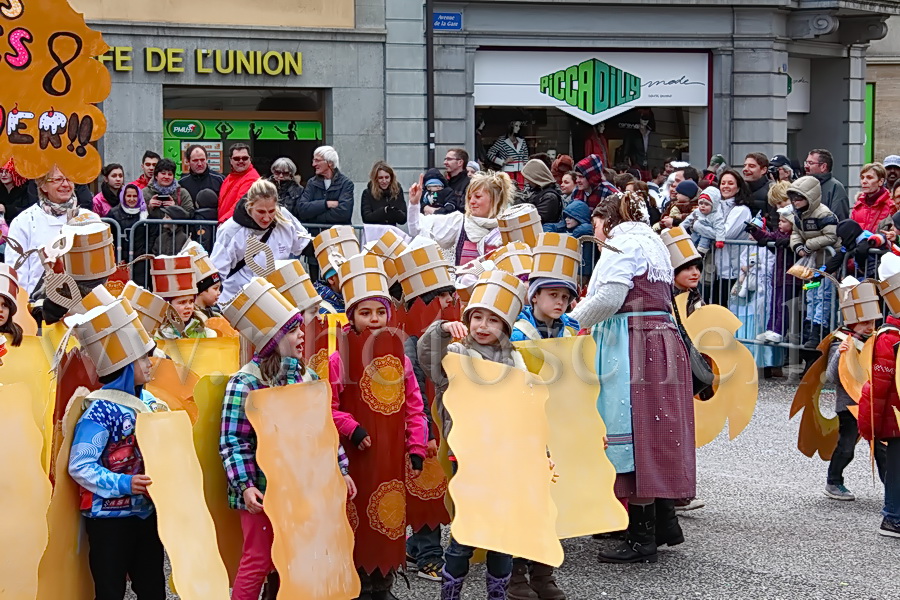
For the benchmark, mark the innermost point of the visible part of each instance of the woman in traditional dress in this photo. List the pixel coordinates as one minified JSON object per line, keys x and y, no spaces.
{"x":646,"y":397}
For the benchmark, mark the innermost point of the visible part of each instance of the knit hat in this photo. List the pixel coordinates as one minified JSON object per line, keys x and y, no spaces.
{"x":259,"y":312}
{"x":538,"y":283}
{"x":175,"y":212}
{"x":536,"y":172}
{"x":151,"y":308}
{"x":473,"y":165}
{"x":514,"y":258}
{"x":362,"y":277}
{"x":521,"y":223}
{"x":681,"y":248}
{"x":421,"y":268}
{"x":499,"y":292}
{"x":295,"y":321}
{"x":859,"y":301}
{"x":786,"y":213}
{"x":688,"y":188}
{"x":889,"y":286}
{"x":340,"y":239}
{"x":434,"y":182}
{"x":556,"y":256}
{"x":9,"y":287}
{"x":112,"y":336}
{"x":173,"y":276}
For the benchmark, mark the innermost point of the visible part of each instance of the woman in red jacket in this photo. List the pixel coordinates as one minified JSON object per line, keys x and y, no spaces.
{"x":874,"y":203}
{"x":879,"y":399}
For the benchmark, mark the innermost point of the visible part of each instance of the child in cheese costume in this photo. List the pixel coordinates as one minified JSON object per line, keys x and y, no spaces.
{"x":175,"y":280}
{"x":105,"y":460}
{"x":209,"y":282}
{"x":9,"y":291}
{"x":269,"y":322}
{"x":860,"y":309}
{"x":377,"y":406}
{"x":339,"y":240}
{"x":497,"y":298}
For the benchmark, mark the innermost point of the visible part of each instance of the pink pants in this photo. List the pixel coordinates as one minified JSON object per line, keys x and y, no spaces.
{"x":256,"y":559}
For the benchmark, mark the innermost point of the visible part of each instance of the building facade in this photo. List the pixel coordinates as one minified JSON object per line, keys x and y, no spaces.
{"x":883,"y":92}
{"x":643,"y":81}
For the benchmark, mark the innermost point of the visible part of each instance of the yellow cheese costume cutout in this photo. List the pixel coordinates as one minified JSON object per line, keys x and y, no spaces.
{"x":30,"y":364}
{"x":23,"y":317}
{"x":64,"y":570}
{"x":817,"y":433}
{"x":855,"y":367}
{"x":205,"y":356}
{"x":208,"y":396}
{"x":185,"y":526}
{"x":576,"y":436}
{"x":711,"y":329}
{"x":306,"y":496}
{"x":171,"y":384}
{"x":24,"y":496}
{"x":503,"y":504}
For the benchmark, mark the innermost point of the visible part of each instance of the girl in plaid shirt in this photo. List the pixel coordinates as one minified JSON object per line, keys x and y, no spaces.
{"x":277,"y":363}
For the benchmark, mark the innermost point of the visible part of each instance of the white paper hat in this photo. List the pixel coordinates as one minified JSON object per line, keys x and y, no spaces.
{"x":521,"y":223}
{"x":501,"y":293}
{"x":259,"y":312}
{"x":339,"y":239}
{"x":514,"y":257}
{"x":362,"y":276}
{"x":151,"y":309}
{"x":421,"y":268}
{"x":859,"y":301}
{"x":681,"y":248}
{"x":111,"y":335}
{"x":556,"y":256}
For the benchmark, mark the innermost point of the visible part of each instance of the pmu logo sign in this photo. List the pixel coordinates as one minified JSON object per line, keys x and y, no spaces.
{"x":186,"y":129}
{"x":592,"y":86}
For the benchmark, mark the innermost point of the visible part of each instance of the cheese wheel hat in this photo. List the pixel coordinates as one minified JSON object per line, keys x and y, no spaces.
{"x":151,"y":309}
{"x":261,"y":314}
{"x":362,"y":277}
{"x":515,"y":258}
{"x":9,"y":287}
{"x":99,"y":296}
{"x":87,"y":249}
{"x":889,"y":286}
{"x":288,"y":276}
{"x":173,"y":276}
{"x":341,"y":240}
{"x":207,"y":274}
{"x":421,"y":268}
{"x":859,"y":301}
{"x":499,"y":292}
{"x":521,"y":223}
{"x":388,"y":247}
{"x":556,"y":256}
{"x":111,"y":335}
{"x":681,"y":248}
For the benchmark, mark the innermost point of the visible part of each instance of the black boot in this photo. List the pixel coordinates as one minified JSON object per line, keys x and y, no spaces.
{"x":640,"y":541}
{"x":668,"y":531}
{"x":273,"y":583}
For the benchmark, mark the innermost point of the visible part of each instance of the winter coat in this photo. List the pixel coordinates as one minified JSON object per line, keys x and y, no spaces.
{"x":833,"y":372}
{"x":711,"y":226}
{"x":14,"y":200}
{"x":289,"y":194}
{"x":526,"y":327}
{"x":171,"y":240}
{"x":33,"y":229}
{"x":446,"y":201}
{"x":208,"y":180}
{"x":816,"y":227}
{"x":126,"y":221}
{"x":759,"y":196}
{"x":879,"y":396}
{"x":387,"y":211}
{"x":784,"y":258}
{"x":728,"y":259}
{"x":235,"y":187}
{"x":834,"y":196}
{"x":231,"y":243}
{"x":457,"y":186}
{"x":579,"y":211}
{"x":859,"y":252}
{"x":102,"y":204}
{"x":870,"y":214}
{"x":548,"y":201}
{"x":313,"y":204}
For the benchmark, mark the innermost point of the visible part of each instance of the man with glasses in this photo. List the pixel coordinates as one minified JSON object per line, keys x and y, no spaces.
{"x":454,"y":198}
{"x":238,"y":182}
{"x":200,"y":177}
{"x":819,"y":164}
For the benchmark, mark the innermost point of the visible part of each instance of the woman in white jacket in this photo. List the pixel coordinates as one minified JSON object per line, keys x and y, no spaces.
{"x":736,"y":209}
{"x":464,"y":237}
{"x":259,"y":215}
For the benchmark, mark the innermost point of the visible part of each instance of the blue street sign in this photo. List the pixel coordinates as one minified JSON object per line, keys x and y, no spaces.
{"x":447,"y":21}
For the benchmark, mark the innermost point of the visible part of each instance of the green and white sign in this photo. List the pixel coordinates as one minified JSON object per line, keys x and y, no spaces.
{"x":592,"y":86}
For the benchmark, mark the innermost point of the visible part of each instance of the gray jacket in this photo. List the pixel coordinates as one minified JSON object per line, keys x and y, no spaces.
{"x":833,"y":374}
{"x":834,"y":196}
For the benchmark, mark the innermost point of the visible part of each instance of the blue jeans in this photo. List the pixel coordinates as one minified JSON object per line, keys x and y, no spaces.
{"x":457,"y":556}
{"x":425,"y":546}
{"x":818,"y":303}
{"x":892,"y":482}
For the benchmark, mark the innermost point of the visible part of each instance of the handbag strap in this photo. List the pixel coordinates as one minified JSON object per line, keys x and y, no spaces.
{"x":243,"y":262}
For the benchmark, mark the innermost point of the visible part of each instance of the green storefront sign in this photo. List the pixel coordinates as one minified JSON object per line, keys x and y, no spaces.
{"x":182,"y":129}
{"x":592,"y":86}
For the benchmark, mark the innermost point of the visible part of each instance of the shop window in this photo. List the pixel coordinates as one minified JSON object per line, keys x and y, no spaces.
{"x":275,"y":123}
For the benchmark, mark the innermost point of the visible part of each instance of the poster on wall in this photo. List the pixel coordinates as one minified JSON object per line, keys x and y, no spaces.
{"x":592,"y":86}
{"x":213,"y":153}
{"x":51,"y":85}
{"x":798,"y":83}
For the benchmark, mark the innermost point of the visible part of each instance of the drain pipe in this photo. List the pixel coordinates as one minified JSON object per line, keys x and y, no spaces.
{"x":429,"y":79}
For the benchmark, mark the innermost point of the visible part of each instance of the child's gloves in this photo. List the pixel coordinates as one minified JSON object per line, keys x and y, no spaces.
{"x":416,"y":461}
{"x":720,"y":245}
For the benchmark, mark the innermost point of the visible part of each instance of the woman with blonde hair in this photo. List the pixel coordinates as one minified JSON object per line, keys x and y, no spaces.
{"x":383,"y":202}
{"x":260,"y":215}
{"x":465,"y":236}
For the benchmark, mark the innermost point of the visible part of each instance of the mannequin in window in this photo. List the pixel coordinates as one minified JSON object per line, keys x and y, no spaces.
{"x":510,"y":153}
{"x":636,"y":144}
{"x":480,"y":152}
{"x":596,"y":143}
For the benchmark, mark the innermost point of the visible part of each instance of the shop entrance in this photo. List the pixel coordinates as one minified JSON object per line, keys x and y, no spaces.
{"x":274,"y":123}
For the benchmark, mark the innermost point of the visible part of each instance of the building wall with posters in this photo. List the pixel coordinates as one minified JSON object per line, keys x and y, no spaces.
{"x":728,"y":77}
{"x":284,"y":89}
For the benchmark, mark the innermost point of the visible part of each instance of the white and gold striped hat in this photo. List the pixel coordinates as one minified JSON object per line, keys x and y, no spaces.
{"x":499,"y":292}
{"x":202,"y":263}
{"x":151,"y":308}
{"x":174,"y":276}
{"x":362,"y":276}
{"x":111,"y":335}
{"x":388,"y":247}
{"x":681,"y":248}
{"x":556,"y":256}
{"x":259,"y":312}
{"x":9,"y":284}
{"x":99,"y":296}
{"x":521,"y":223}
{"x":514,"y":257}
{"x":859,"y":301}
{"x":889,"y":286}
{"x":292,"y":282}
{"x":91,"y":253}
{"x":339,"y":239}
{"x":421,"y":268}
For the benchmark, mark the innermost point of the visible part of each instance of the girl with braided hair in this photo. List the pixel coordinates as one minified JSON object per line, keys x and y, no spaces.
{"x":646,"y":397}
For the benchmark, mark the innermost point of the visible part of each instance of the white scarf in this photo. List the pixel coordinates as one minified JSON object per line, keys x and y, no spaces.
{"x":478,"y":228}
{"x":647,"y":244}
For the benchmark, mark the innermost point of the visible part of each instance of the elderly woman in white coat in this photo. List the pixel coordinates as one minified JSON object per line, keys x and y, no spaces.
{"x":463,"y":237}
{"x":259,"y":215}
